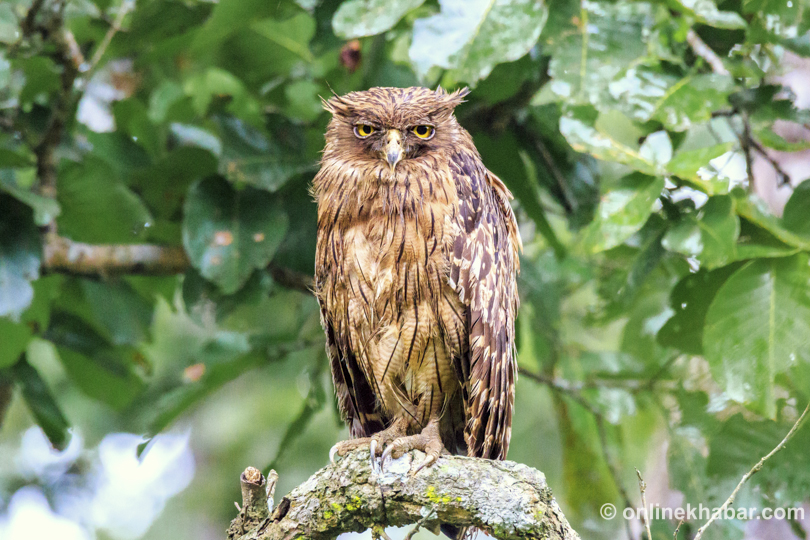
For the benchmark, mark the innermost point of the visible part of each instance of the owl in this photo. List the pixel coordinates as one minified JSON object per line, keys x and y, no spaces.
{"x":416,"y":264}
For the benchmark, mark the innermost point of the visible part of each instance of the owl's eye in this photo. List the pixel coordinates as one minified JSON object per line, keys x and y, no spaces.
{"x":363,"y":131}
{"x":424,"y":132}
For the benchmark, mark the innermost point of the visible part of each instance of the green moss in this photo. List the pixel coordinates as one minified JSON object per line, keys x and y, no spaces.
{"x":328,"y":514}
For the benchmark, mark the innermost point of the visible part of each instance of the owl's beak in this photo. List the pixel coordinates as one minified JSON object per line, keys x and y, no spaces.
{"x":393,"y":148}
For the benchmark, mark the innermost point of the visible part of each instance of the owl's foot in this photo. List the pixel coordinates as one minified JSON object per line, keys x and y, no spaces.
{"x":375,"y":443}
{"x":428,"y":441}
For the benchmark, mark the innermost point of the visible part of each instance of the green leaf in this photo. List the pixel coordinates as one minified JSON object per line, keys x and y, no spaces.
{"x":97,"y":207}
{"x":710,"y":236}
{"x":359,"y":18}
{"x":11,"y":159}
{"x":603,"y":41}
{"x":692,"y":165}
{"x":118,"y":309}
{"x":797,"y":210}
{"x":690,"y":300}
{"x":20,"y":256}
{"x":250,"y":156}
{"x":228,"y":234}
{"x":45,"y":209}
{"x":756,"y":211}
{"x":101,"y":371}
{"x":15,"y":338}
{"x":41,"y":403}
{"x":757,"y":327}
{"x":471,"y":36}
{"x":622,"y":211}
{"x":706,"y":12}
{"x":291,"y":36}
{"x":646,"y":93}
{"x":606,"y":139}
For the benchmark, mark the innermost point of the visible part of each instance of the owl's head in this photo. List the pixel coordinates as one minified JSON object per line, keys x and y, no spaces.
{"x":392,"y":124}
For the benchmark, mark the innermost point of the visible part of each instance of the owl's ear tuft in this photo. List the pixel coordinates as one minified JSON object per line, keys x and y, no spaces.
{"x":449,"y":101}
{"x":336,"y":105}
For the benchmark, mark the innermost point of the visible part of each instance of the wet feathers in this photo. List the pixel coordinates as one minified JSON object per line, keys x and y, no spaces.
{"x":415,"y":271}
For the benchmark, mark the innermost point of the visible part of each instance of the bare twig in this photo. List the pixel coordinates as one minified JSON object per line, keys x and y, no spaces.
{"x":645,"y":519}
{"x":419,"y":524}
{"x":755,"y":469}
{"x":783,"y":178}
{"x":125,"y":7}
{"x":702,"y":50}
{"x":677,"y":530}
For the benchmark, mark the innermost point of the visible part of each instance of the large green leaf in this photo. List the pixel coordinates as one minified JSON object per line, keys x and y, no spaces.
{"x":645,"y":93}
{"x":596,"y":45}
{"x":20,"y":256}
{"x":228,"y":234}
{"x":690,"y":300}
{"x":471,"y":37}
{"x":358,"y":18}
{"x":757,"y":327}
{"x":622,"y":211}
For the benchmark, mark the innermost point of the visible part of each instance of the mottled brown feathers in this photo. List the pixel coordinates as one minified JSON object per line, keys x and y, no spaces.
{"x":415,"y":272}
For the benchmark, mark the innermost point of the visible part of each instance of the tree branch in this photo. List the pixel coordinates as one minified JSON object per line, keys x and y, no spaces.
{"x":506,"y":499}
{"x":64,"y":256}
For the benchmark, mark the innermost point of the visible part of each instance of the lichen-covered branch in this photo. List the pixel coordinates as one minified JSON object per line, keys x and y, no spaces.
{"x":506,"y":499}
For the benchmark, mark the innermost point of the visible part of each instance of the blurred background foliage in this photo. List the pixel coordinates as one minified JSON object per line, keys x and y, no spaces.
{"x":665,"y":285}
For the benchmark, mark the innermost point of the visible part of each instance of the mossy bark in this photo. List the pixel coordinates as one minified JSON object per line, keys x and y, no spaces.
{"x":506,"y":499}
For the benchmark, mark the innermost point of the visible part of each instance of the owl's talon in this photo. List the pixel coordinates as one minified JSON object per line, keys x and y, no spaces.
{"x":332,"y":453}
{"x":375,"y":467}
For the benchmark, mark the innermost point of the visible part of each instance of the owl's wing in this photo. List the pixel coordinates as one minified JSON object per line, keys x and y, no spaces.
{"x":483,"y":272}
{"x":355,"y":397}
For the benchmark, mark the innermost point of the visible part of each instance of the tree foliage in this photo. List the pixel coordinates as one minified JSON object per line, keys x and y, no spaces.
{"x":659,"y":294}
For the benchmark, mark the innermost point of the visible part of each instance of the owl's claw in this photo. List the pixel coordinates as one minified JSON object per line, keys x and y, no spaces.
{"x":429,"y":441}
{"x":376,"y":466}
{"x":332,"y":453}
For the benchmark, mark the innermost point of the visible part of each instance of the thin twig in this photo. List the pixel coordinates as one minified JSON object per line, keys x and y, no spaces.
{"x":419,"y":524}
{"x":783,"y":178}
{"x":126,"y":7}
{"x":677,"y":530}
{"x":702,"y":50}
{"x":645,"y":519}
{"x":755,"y":469}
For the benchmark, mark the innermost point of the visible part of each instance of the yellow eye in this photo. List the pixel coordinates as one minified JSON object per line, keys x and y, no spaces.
{"x":363,"y":131}
{"x":424,"y":132}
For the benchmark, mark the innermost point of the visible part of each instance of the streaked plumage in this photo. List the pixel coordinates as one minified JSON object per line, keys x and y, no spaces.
{"x":415,"y":272}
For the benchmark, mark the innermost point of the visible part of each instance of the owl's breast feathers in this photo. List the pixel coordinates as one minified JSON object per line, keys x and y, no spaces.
{"x":415,"y":275}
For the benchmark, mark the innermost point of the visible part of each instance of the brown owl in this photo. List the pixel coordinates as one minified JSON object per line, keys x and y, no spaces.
{"x":415,"y":273}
